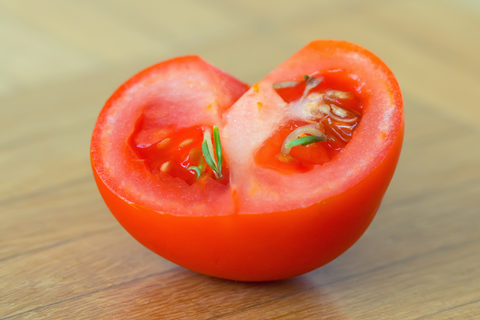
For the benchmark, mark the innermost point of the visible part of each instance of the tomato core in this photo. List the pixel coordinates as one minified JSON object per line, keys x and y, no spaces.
{"x":172,"y":151}
{"x":340,"y":93}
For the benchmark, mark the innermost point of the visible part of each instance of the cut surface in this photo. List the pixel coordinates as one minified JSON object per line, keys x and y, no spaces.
{"x":174,"y":101}
{"x":175,"y":153}
{"x":169,"y":97}
{"x":261,"y":189}
{"x":324,"y":111}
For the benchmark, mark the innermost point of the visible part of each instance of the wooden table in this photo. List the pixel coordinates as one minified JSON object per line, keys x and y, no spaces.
{"x":64,"y":256}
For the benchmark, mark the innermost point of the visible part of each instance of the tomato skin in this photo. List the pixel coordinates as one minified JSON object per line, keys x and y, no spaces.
{"x":262,"y":246}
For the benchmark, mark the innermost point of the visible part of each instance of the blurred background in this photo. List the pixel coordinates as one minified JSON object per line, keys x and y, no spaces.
{"x":61,"y":59}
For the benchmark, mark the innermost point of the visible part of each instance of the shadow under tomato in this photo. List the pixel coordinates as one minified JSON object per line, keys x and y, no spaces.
{"x":182,"y":293}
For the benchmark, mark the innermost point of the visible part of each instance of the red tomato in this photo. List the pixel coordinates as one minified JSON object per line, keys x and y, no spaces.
{"x":272,"y":215}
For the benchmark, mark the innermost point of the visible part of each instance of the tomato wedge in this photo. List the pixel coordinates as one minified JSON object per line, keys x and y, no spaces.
{"x":306,"y":156}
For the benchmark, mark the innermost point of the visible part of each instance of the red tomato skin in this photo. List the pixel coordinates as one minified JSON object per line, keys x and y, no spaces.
{"x":260,"y":247}
{"x":267,"y":246}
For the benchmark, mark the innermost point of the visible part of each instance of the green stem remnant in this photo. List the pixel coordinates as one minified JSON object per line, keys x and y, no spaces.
{"x":304,"y":141}
{"x":208,"y":151}
{"x":198,"y":170}
{"x":218,"y":148}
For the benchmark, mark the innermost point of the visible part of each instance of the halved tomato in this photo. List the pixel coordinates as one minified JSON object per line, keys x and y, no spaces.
{"x":307,"y":155}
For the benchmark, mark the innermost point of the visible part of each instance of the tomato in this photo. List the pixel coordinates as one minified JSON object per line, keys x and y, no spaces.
{"x":274,"y":211}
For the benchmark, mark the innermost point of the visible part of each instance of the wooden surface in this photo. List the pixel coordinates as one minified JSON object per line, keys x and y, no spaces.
{"x":64,"y":256}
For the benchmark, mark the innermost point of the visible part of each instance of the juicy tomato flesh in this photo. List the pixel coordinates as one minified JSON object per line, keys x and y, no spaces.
{"x":175,"y":153}
{"x":304,"y":158}
{"x":332,"y":80}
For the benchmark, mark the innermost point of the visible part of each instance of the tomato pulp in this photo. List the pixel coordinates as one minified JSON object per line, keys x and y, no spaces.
{"x":275,"y":209}
{"x":338,"y":132}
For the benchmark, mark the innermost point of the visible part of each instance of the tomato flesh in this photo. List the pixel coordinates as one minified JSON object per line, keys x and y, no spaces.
{"x":263,"y":224}
{"x":303,"y":158}
{"x":173,"y":152}
{"x":337,"y":79}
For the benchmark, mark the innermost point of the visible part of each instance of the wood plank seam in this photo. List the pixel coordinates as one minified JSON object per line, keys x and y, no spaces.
{"x":89,"y":293}
{"x":353,"y":276}
{"x":205,"y":309}
{"x":449,"y":309}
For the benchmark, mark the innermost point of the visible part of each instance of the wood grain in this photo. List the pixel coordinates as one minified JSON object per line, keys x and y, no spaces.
{"x":64,"y":256}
